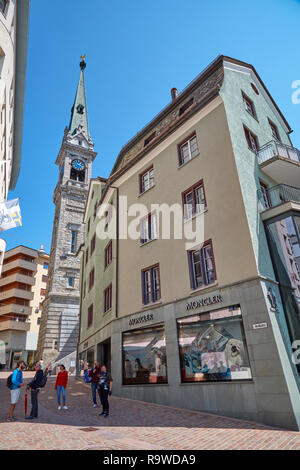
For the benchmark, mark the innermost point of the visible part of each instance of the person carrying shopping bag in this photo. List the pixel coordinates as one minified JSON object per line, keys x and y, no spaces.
{"x":61,"y":385}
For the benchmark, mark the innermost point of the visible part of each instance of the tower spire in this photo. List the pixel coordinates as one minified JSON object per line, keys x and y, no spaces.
{"x":79,"y":115}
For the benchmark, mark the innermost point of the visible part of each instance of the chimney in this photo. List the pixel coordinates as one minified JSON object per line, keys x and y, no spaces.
{"x":174,"y":93}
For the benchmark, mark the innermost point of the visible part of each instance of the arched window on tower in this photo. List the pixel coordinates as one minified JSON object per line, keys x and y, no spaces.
{"x":77,"y":171}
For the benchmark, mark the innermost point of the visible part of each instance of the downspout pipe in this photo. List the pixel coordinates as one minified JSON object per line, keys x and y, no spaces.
{"x":117,"y":249}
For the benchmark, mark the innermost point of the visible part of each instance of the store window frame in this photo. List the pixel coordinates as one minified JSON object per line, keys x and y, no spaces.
{"x":156,"y":326}
{"x":217,"y":320}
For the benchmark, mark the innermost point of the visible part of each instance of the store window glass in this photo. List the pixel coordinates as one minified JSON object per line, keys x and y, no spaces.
{"x":212,"y":347}
{"x":144,"y":357}
{"x":284,"y":244}
{"x":90,"y":358}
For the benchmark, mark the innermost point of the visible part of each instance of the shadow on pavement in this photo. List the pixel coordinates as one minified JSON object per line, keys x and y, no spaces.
{"x":123,"y":412}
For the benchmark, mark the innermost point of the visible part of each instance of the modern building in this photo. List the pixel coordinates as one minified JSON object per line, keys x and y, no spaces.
{"x":36,"y":304}
{"x":14,"y":22}
{"x":22,"y":291}
{"x":58,"y":336}
{"x":204,"y":320}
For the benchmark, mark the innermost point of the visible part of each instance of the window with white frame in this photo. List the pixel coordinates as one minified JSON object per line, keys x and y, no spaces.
{"x":188,"y":150}
{"x":146,"y":180}
{"x":194,"y":200}
{"x":148,"y":228}
{"x":150,"y":284}
{"x":202,"y":266}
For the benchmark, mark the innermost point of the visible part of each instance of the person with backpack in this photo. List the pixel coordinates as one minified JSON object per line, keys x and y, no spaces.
{"x":94,"y":375}
{"x":61,"y":385}
{"x":14,"y":383}
{"x":105,"y":384}
{"x":38,"y":382}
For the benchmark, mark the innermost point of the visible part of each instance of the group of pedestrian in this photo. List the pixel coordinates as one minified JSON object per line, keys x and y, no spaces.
{"x":99,"y":378}
{"x":101,"y":382}
{"x":15,"y":383}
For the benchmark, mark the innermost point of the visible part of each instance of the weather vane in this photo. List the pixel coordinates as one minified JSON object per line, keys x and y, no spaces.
{"x":82,"y":63}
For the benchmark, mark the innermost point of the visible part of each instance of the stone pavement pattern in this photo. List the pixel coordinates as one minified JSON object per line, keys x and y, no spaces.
{"x":132,"y":425}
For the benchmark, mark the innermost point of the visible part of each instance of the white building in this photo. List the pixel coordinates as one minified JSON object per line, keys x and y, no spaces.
{"x":14,"y":21}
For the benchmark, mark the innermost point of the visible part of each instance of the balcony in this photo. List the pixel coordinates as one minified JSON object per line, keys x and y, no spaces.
{"x":4,"y":281}
{"x":19,"y":263}
{"x":280,"y":162}
{"x":14,"y":325}
{"x":16,"y":293}
{"x":278,"y":200}
{"x":15,"y":308}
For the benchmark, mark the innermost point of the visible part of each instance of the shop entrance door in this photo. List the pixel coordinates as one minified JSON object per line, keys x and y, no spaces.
{"x":104,"y":353}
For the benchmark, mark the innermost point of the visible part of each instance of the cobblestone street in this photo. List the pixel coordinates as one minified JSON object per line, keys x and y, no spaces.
{"x":132,"y":425}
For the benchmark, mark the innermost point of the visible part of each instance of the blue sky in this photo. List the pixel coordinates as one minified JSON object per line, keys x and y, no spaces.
{"x":137,"y":50}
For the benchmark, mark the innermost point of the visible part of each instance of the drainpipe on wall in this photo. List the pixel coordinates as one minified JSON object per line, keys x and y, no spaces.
{"x":117,"y":252}
{"x":80,"y":307}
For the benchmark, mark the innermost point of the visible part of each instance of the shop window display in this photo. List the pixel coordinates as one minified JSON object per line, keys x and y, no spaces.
{"x":144,"y":356}
{"x":212,"y":347}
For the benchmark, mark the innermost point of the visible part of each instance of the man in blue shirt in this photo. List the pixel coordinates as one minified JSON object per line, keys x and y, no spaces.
{"x":17,"y":383}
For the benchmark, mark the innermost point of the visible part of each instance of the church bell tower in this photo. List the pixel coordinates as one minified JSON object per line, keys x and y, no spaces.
{"x":59,"y":326}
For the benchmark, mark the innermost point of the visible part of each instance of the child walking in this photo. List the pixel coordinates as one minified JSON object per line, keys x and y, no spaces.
{"x":61,"y":385}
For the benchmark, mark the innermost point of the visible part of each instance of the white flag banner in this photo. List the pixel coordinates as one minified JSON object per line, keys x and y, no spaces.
{"x":10,"y":215}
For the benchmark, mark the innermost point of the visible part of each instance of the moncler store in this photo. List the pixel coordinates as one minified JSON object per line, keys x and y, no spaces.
{"x":225,"y":352}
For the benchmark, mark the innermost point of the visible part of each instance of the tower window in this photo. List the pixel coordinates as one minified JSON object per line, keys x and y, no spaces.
{"x":77,"y":170}
{"x":73,"y":241}
{"x":71,"y":281}
{"x":77,"y":175}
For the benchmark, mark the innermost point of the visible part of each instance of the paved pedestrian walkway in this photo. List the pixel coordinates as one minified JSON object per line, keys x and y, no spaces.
{"x":132,"y":425}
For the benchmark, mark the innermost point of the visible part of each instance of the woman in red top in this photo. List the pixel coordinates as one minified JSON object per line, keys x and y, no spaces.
{"x":61,"y":385}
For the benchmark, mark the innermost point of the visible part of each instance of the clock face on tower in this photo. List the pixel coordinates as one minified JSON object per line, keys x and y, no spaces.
{"x":78,"y":165}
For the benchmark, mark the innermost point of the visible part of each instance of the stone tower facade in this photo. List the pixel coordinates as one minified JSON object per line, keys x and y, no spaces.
{"x":59,"y":327}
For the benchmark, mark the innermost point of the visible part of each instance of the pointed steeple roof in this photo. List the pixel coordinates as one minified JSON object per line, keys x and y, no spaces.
{"x":79,"y":115}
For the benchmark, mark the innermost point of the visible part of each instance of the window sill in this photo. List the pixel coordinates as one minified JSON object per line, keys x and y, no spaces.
{"x":146,"y":385}
{"x":107,"y":311}
{"x":149,"y":241}
{"x":195,"y":215}
{"x":202,"y":288}
{"x":214,"y":382}
{"x":188,"y":161}
{"x":152,"y":304}
{"x":141,"y":194}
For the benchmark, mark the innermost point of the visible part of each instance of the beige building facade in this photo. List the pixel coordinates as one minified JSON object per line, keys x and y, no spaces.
{"x":22,"y":291}
{"x":200,"y":318}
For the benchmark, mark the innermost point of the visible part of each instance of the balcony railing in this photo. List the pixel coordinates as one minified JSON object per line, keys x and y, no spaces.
{"x":277,"y":195}
{"x":277,"y":149}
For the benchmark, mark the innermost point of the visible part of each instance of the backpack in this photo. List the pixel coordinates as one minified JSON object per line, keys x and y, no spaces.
{"x":43,"y":381}
{"x":9,"y":383}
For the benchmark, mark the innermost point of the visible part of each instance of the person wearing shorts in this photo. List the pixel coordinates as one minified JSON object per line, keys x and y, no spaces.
{"x":17,"y":383}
